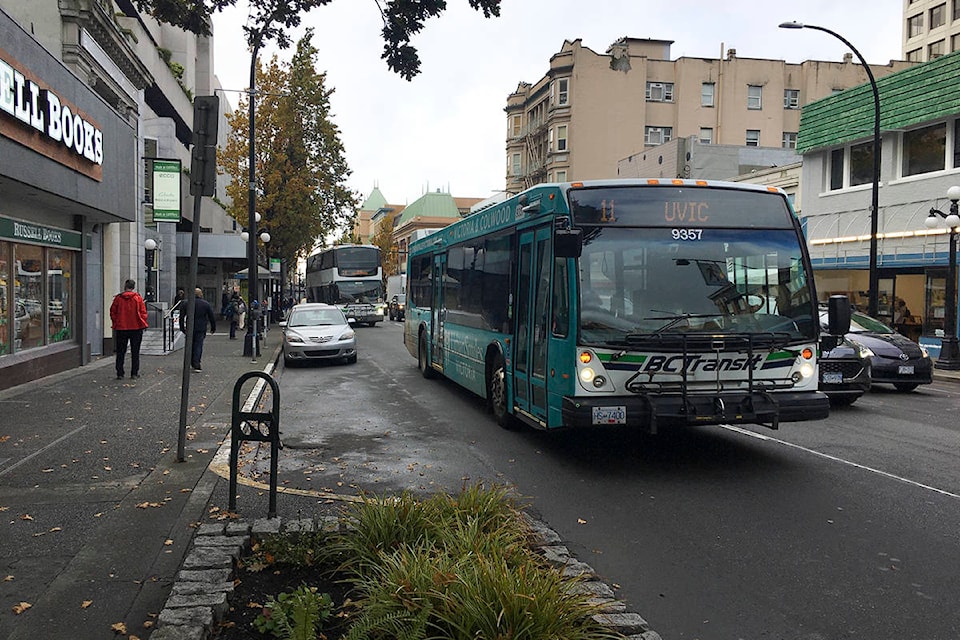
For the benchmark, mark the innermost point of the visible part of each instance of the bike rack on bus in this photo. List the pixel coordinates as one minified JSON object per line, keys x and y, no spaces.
{"x":255,"y":426}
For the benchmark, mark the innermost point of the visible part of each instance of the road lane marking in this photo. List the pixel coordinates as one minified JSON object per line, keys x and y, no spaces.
{"x":827,"y":456}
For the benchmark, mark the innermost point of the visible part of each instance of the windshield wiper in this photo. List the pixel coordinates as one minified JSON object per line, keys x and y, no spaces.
{"x":674,"y":320}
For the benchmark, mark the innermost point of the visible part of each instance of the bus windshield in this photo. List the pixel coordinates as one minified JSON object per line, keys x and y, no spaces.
{"x":357,"y":261}
{"x":357,"y":291}
{"x":641,"y":282}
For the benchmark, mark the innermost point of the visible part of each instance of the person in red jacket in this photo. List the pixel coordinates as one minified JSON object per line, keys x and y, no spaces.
{"x":129,"y":316}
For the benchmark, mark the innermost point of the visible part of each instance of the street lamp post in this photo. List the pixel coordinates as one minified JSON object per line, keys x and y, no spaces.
{"x":251,"y":345}
{"x":874,"y":285}
{"x":150,"y":245}
{"x":949,"y":350}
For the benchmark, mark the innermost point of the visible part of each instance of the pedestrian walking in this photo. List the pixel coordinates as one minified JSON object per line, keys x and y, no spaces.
{"x":203,"y":314}
{"x":128,"y":313}
{"x":241,"y":312}
{"x":233,"y":314}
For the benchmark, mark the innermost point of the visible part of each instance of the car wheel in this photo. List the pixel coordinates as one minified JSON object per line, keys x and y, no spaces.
{"x":423,"y":359}
{"x":497,"y":395}
{"x":352,"y":359}
{"x":905,"y":387}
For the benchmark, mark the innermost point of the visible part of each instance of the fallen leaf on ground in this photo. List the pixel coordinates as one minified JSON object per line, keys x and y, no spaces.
{"x":86,"y":604}
{"x":119,"y":627}
{"x":26,"y":516}
{"x":21,"y":607}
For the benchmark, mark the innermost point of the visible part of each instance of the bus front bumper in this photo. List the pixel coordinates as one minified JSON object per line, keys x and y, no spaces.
{"x":649,"y":412}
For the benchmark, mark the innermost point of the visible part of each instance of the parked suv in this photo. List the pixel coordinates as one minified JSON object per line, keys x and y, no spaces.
{"x":398,"y":305}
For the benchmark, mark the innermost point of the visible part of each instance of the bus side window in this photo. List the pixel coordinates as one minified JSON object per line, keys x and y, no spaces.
{"x":560,"y":325}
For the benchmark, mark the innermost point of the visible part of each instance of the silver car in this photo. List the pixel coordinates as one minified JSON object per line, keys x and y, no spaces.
{"x":317,"y":332}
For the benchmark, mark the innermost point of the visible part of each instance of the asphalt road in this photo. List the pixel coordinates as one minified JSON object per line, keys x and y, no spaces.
{"x":843,"y":528}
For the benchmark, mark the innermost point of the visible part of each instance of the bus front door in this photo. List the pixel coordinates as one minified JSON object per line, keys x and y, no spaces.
{"x":533,"y":327}
{"x":438,"y":315}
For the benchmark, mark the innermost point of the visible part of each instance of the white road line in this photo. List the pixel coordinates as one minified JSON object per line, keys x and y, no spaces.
{"x":41,"y":450}
{"x":827,"y":456}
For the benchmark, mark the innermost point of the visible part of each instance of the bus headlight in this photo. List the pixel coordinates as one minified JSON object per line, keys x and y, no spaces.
{"x":587,"y":374}
{"x":805,"y":372}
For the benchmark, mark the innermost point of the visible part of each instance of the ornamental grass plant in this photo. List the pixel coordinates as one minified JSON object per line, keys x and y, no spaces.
{"x":448,"y":567}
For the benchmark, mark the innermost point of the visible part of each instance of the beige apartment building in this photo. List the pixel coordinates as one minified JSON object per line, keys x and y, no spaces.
{"x":591,"y":110}
{"x":931,"y":28}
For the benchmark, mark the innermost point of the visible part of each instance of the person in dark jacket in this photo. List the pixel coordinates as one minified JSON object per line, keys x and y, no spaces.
{"x":203,"y":314}
{"x":128,"y":313}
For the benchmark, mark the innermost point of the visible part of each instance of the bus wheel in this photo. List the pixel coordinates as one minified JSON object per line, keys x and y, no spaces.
{"x":423,"y":358}
{"x":497,"y":394}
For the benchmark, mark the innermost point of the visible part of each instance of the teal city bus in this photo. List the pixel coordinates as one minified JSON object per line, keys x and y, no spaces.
{"x":641,"y":303}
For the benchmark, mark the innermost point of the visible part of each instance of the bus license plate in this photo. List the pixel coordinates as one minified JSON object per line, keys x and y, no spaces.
{"x":905,"y":369}
{"x":833,"y":378}
{"x":610,"y":415}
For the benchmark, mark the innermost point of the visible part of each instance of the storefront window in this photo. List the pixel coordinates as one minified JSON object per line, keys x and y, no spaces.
{"x":28,"y":293}
{"x":936,"y":299}
{"x":59,"y":295}
{"x":8,"y":324}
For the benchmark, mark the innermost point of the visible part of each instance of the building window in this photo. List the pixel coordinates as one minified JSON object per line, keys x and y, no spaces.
{"x":754,"y":96}
{"x":938,"y":16}
{"x":515,"y":164}
{"x":915,"y":26}
{"x":789,"y":140}
{"x":706,"y":135}
{"x":659,"y":92}
{"x":753,"y":137}
{"x":915,"y":55}
{"x":561,"y":137}
{"x":955,"y":42}
{"x":935,"y":49}
{"x":516,"y":126}
{"x":791,"y":98}
{"x":861,"y":163}
{"x":706,"y":94}
{"x":657,"y":135}
{"x":956,"y":143}
{"x":561,"y":175}
{"x":836,"y":169}
{"x":562,"y":86}
{"x":956,"y":10}
{"x":924,"y":150}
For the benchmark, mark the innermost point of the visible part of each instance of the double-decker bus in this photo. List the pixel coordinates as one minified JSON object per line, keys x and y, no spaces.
{"x":351,"y":277}
{"x":626,"y":302}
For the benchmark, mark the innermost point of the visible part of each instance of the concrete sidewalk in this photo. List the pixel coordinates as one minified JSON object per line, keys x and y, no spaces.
{"x":97,"y":512}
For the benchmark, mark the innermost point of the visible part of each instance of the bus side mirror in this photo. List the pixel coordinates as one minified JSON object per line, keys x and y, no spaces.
{"x":838,"y":315}
{"x":568,"y":243}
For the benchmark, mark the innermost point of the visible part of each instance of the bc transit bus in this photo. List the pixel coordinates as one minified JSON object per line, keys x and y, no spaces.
{"x":624,"y":302}
{"x":351,"y":277}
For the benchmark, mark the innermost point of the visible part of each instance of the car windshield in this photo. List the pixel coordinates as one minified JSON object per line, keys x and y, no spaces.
{"x":314,"y":317}
{"x":641,"y":284}
{"x":861,"y":323}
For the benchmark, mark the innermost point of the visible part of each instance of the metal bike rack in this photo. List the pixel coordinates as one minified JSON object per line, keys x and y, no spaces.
{"x":255,"y":426}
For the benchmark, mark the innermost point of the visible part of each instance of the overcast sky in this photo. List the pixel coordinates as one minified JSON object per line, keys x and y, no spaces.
{"x":446,"y":128}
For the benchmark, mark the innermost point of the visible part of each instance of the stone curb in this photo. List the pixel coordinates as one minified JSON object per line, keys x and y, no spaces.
{"x":198,"y":599}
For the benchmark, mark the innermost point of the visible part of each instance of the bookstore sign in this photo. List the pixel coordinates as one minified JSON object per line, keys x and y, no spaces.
{"x":35,"y":115}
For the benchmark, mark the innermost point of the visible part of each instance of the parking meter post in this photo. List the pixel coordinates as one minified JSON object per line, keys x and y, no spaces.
{"x":255,"y":426}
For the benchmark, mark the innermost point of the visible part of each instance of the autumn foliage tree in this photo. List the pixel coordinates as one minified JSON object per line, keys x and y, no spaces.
{"x":300,"y":165}
{"x":384,"y":239}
